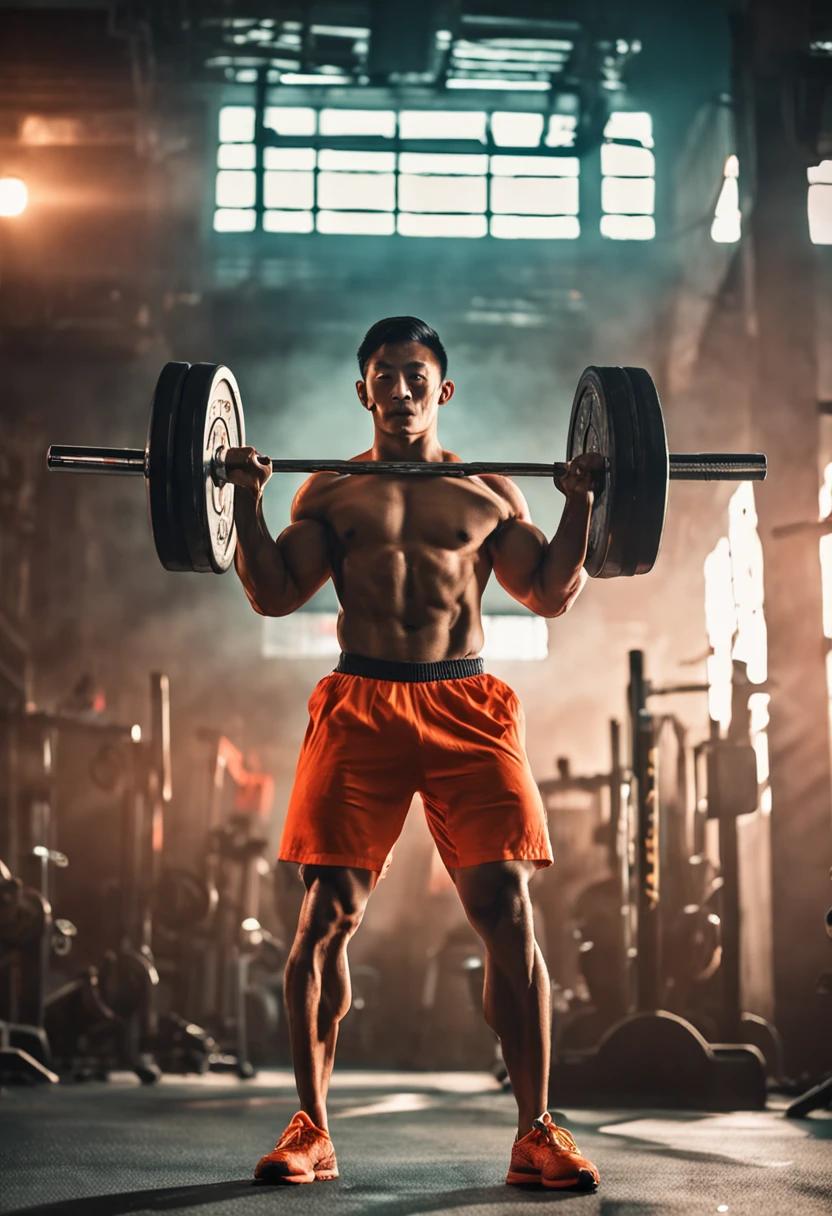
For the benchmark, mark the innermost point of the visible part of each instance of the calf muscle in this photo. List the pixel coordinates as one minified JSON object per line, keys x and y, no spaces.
{"x":317,"y":981}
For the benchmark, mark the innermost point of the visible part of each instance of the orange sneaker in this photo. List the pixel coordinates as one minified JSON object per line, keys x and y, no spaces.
{"x":550,"y":1156}
{"x":304,"y":1153}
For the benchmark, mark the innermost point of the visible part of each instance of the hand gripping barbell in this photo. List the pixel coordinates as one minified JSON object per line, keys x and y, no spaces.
{"x":197,"y":415}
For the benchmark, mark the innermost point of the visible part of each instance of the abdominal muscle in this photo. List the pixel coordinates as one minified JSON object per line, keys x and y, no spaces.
{"x":411,"y":603}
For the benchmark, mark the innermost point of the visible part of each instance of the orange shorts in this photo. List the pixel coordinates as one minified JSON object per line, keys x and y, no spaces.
{"x":444,"y":730}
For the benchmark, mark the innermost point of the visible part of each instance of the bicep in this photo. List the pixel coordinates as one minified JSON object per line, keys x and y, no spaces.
{"x":304,"y":548}
{"x":517,"y":551}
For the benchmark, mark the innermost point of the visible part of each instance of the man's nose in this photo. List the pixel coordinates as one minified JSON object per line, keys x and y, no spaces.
{"x":401,"y":391}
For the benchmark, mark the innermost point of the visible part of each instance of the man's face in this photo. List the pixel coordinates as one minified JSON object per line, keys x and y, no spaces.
{"x":403,"y":388}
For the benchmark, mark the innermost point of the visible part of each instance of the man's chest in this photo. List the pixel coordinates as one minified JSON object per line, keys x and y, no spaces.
{"x":439,"y":513}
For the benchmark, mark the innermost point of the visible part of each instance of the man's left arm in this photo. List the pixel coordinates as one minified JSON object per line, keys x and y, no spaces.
{"x":546,"y":576}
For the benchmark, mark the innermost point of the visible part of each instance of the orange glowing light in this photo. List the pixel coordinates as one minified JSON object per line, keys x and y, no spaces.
{"x":13,"y":196}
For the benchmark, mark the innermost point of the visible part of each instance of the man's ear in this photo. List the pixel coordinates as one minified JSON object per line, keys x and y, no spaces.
{"x":446,"y":392}
{"x":361,"y":389}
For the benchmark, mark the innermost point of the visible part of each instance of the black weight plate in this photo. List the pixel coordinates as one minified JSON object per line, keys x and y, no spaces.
{"x":162,"y":499}
{"x":602,"y":421}
{"x":210,"y":416}
{"x":652,"y":471}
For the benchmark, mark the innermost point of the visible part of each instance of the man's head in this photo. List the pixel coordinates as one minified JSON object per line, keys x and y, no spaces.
{"x":403,"y":366}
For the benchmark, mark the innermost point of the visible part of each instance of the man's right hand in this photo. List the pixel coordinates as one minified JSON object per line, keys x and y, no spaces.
{"x":246,"y":468}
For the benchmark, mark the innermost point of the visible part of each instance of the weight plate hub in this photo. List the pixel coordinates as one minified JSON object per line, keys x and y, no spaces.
{"x":616,"y":412}
{"x":210,"y":416}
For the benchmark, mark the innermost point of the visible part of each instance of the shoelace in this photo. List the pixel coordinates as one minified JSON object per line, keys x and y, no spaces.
{"x":559,"y":1137}
{"x":295,"y":1133}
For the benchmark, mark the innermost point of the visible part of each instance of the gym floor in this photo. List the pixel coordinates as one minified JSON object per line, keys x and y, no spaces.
{"x":407,"y":1143}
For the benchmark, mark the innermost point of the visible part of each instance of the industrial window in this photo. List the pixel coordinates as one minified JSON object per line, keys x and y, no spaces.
{"x":736,"y":624}
{"x":628,"y":181}
{"x":727,"y":222}
{"x":820,"y":203}
{"x":509,"y":194}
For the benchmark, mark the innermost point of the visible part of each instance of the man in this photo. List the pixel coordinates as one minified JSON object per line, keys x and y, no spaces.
{"x":410,"y":709}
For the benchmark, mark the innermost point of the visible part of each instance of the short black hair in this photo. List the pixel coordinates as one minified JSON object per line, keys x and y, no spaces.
{"x":400,"y":330}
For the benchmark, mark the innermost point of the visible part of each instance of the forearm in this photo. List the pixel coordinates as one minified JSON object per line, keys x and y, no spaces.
{"x":261,"y":569}
{"x":561,"y":576}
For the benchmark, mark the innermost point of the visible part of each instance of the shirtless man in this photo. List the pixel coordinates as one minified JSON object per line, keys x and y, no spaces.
{"x":410,"y":709}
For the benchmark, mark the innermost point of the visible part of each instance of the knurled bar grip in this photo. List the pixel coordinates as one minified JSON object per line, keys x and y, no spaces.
{"x":705,"y":466}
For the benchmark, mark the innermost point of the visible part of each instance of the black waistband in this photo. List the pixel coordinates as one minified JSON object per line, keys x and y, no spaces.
{"x":409,"y":673}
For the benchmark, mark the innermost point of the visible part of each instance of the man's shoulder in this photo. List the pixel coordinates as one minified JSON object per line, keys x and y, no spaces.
{"x":509,"y":493}
{"x":311,"y":500}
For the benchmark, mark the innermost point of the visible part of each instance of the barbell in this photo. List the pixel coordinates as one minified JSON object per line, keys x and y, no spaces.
{"x":197,"y":415}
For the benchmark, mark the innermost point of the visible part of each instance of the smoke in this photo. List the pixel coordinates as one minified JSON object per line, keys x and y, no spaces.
{"x":103,"y":604}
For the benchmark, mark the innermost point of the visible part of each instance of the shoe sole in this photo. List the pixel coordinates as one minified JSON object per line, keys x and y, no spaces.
{"x":584,"y":1181}
{"x":274,"y":1178}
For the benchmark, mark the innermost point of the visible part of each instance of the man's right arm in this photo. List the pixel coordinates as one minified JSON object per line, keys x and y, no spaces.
{"x":278,"y":576}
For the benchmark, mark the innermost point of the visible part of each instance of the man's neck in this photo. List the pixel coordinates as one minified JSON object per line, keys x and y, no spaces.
{"x":424,"y":447}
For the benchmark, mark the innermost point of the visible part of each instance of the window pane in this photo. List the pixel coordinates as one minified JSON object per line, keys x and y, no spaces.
{"x":628,"y":227}
{"x":289,"y":190}
{"x":287,"y":221}
{"x":441,"y":225}
{"x":628,"y":195}
{"x":728,"y":203}
{"x":442,"y":124}
{"x":377,"y":224}
{"x":235,"y":189}
{"x":290,"y":120}
{"x":536,"y":227}
{"x":535,"y":166}
{"x":626,"y":124}
{"x":819,"y":174}
{"x":227,"y":220}
{"x":442,"y":193}
{"x":351,"y":191}
{"x":561,"y":133}
{"x":535,"y":195}
{"x":289,"y":158}
{"x":442,"y":162}
{"x":510,"y":130}
{"x":498,"y":82}
{"x":324,"y":77}
{"x":235,"y":156}
{"x":624,"y":160}
{"x":365,"y":162}
{"x":820,"y":214}
{"x":236,"y":124}
{"x":358,"y":122}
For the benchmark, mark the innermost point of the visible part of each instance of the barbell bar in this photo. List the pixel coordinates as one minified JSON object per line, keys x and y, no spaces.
{"x":710,"y":466}
{"x":197,"y":415}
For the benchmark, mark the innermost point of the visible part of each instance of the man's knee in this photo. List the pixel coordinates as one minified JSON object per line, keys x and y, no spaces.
{"x":496,"y":899}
